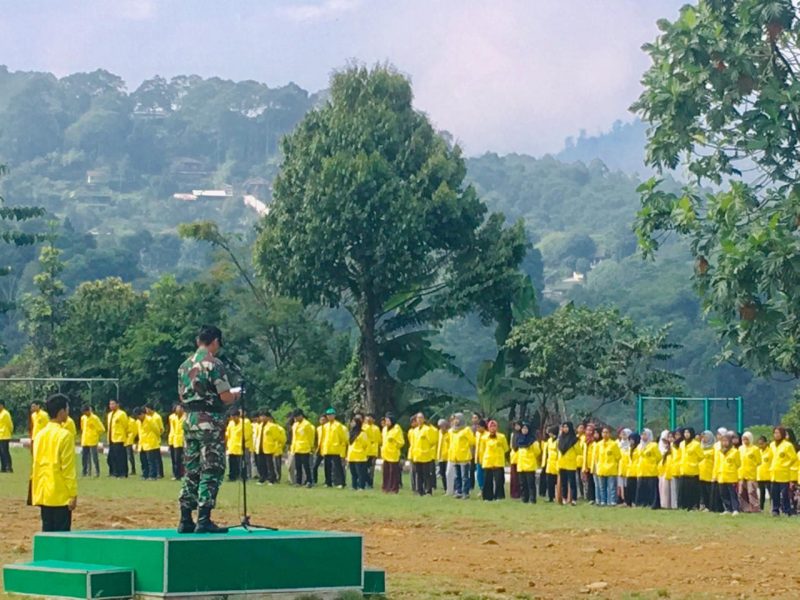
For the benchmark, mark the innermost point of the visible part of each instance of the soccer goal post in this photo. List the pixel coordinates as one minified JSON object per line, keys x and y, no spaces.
{"x":673,"y":409}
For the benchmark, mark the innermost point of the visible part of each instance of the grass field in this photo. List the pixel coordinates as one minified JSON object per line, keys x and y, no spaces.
{"x":441,"y":548}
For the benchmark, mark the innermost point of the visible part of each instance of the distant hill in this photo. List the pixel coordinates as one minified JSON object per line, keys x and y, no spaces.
{"x":621,"y":148}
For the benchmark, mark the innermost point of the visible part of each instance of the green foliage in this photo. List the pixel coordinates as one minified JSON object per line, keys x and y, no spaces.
{"x":722,"y":95}
{"x":596,"y":356}
{"x":791,"y":419}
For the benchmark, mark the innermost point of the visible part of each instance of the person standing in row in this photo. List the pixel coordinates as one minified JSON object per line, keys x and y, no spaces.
{"x":374,"y":434}
{"x":274,"y":442}
{"x":149,"y":444}
{"x":130,"y":443}
{"x":116,"y":434}
{"x":442,"y":450}
{"x":54,"y":485}
{"x":730,"y":461}
{"x":426,"y":440}
{"x":158,"y":423}
{"x":175,"y":440}
{"x":460,"y":453}
{"x":569,"y":448}
{"x":70,"y":426}
{"x":234,"y":446}
{"x":357,"y":453}
{"x":38,"y":420}
{"x":784,"y":457}
{"x":6,"y":431}
{"x":318,"y":458}
{"x":493,"y":461}
{"x":608,"y":457}
{"x":334,"y":448}
{"x":302,"y":443}
{"x":392,"y":442}
{"x":529,"y":454}
{"x":91,"y":430}
{"x":748,"y":488}
{"x":649,"y":458}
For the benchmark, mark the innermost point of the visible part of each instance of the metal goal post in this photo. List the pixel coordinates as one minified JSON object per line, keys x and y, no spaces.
{"x":673,"y":409}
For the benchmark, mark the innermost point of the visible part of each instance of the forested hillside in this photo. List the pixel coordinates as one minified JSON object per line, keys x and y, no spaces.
{"x":107,"y":163}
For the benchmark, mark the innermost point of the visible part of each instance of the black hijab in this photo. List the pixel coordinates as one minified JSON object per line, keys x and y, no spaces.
{"x":524,"y":440}
{"x":567,"y":440}
{"x":355,"y":429}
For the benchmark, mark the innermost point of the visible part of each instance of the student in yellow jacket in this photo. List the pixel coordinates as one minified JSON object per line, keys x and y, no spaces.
{"x":357,"y":450}
{"x":334,"y":449}
{"x":550,"y":461}
{"x":116,"y":434}
{"x":129,"y":446}
{"x":149,"y":443}
{"x":234,"y":445}
{"x":632,"y":468}
{"x":6,"y":431}
{"x":728,"y":475}
{"x":442,"y":450}
{"x":259,"y":428}
{"x":666,"y":484}
{"x":91,"y":430}
{"x":459,"y":454}
{"x":175,"y":440}
{"x":70,"y":426}
{"x":302,"y":444}
{"x":608,"y":456}
{"x":274,"y":440}
{"x":54,"y":485}
{"x":706,"y":468}
{"x":38,"y":420}
{"x":529,"y":454}
{"x":689,"y":484}
{"x":748,"y":475}
{"x":495,"y":448}
{"x":392,"y":442}
{"x":784,"y":457}
{"x":649,"y":458}
{"x":764,"y":473}
{"x":569,"y":449}
{"x":425,"y":442}
{"x":374,"y":434}
{"x":158,"y":424}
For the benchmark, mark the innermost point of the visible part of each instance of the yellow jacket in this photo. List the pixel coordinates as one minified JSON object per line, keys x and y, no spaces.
{"x":391,"y":443}
{"x":728,"y":468}
{"x":233,"y":438}
{"x":273,"y":439}
{"x":551,"y":446}
{"x":425,"y":441}
{"x":117,"y":426}
{"x":783,"y":457}
{"x":706,"y":467}
{"x":69,"y":425}
{"x":608,"y":457}
{"x":443,"y":447}
{"x":494,"y":451}
{"x":334,"y":439}
{"x":691,"y":455}
{"x":149,"y":434}
{"x":751,"y":459}
{"x":633,"y":466}
{"x":461,"y":443}
{"x":53,"y":476}
{"x":132,"y":431}
{"x":374,"y":434}
{"x":358,"y":448}
{"x":159,"y":423}
{"x":91,"y":429}
{"x":624,"y":462}
{"x":248,"y":434}
{"x":479,"y":445}
{"x":763,"y":473}
{"x":318,"y":444}
{"x":6,"y":425}
{"x":569,"y":460}
{"x":38,"y":420}
{"x":529,"y":459}
{"x":649,"y":457}
{"x":302,"y":437}
{"x":175,"y":436}
{"x":581,"y":451}
{"x":589,"y":456}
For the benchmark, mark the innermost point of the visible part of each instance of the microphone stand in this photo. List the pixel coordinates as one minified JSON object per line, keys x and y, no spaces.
{"x":245,"y":517}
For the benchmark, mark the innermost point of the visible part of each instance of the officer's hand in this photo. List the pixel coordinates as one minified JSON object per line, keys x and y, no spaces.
{"x":73,"y":502}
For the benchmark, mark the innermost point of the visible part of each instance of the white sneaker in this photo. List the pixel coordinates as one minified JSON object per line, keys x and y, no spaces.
{"x":725,"y":512}
{"x":734,"y":513}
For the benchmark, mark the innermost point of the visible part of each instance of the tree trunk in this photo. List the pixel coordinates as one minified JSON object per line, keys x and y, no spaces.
{"x":369,"y":360}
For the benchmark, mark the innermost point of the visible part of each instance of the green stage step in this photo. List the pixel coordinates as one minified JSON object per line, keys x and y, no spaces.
{"x":374,"y":582}
{"x":58,"y":578}
{"x":166,"y":563}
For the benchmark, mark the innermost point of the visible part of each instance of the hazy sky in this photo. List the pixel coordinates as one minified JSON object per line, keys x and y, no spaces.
{"x":500,"y":75}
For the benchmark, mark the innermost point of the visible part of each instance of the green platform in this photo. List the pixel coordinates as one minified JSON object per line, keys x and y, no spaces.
{"x":69,"y":579}
{"x":167,"y":564}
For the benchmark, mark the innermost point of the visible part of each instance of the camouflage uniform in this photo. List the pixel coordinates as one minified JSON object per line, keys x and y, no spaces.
{"x":201,"y":378}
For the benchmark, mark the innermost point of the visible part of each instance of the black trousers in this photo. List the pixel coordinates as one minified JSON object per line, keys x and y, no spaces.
{"x":5,"y":457}
{"x":550,"y":486}
{"x":527,"y":486}
{"x":569,"y":484}
{"x":176,"y":458}
{"x":302,"y":467}
{"x":277,"y":461}
{"x":358,"y":475}
{"x":334,"y":470}
{"x":235,"y":467}
{"x":88,"y":457}
{"x":763,"y":486}
{"x":117,"y":460}
{"x":56,"y":518}
{"x":590,"y":491}
{"x":631,"y":483}
{"x":646,"y":490}
{"x":705,"y":494}
{"x":270,"y":468}
{"x":261,"y":466}
{"x":131,"y":458}
{"x":317,"y":463}
{"x":425,"y":477}
{"x":370,"y":471}
{"x":494,"y":484}
{"x":391,"y":477}
{"x":689,"y":492}
{"x":443,"y":474}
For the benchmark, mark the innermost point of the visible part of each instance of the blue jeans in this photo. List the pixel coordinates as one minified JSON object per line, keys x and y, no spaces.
{"x":780,"y":498}
{"x":607,"y":490}
{"x":462,"y":479}
{"x":479,"y":476}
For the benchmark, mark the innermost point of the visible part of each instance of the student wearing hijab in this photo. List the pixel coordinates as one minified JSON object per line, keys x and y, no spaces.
{"x":442,"y":450}
{"x":623,"y":440}
{"x":480,"y":434}
{"x":357,"y":451}
{"x":460,"y":452}
{"x":587,"y":462}
{"x":550,"y":474}
{"x":632,"y":474}
{"x":569,"y":449}
{"x":392,"y":442}
{"x":716,"y":499}
{"x":728,"y":474}
{"x":649,"y":457}
{"x":514,"y":484}
{"x":607,"y":458}
{"x":763,"y":473}
{"x":495,"y":448}
{"x":529,"y":453}
{"x":784,"y":456}
{"x":748,"y":480}
{"x":706,"y":469}
{"x":691,"y":455}
{"x":666,"y":483}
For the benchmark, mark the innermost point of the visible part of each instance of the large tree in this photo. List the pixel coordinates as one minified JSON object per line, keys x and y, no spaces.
{"x":722,"y":100}
{"x":371,"y":212}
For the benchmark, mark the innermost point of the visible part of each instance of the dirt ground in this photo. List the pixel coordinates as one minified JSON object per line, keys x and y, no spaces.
{"x":424,"y":562}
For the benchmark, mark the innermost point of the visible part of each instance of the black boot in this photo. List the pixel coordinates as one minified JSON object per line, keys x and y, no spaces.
{"x":187,"y":523}
{"x":206,"y":525}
